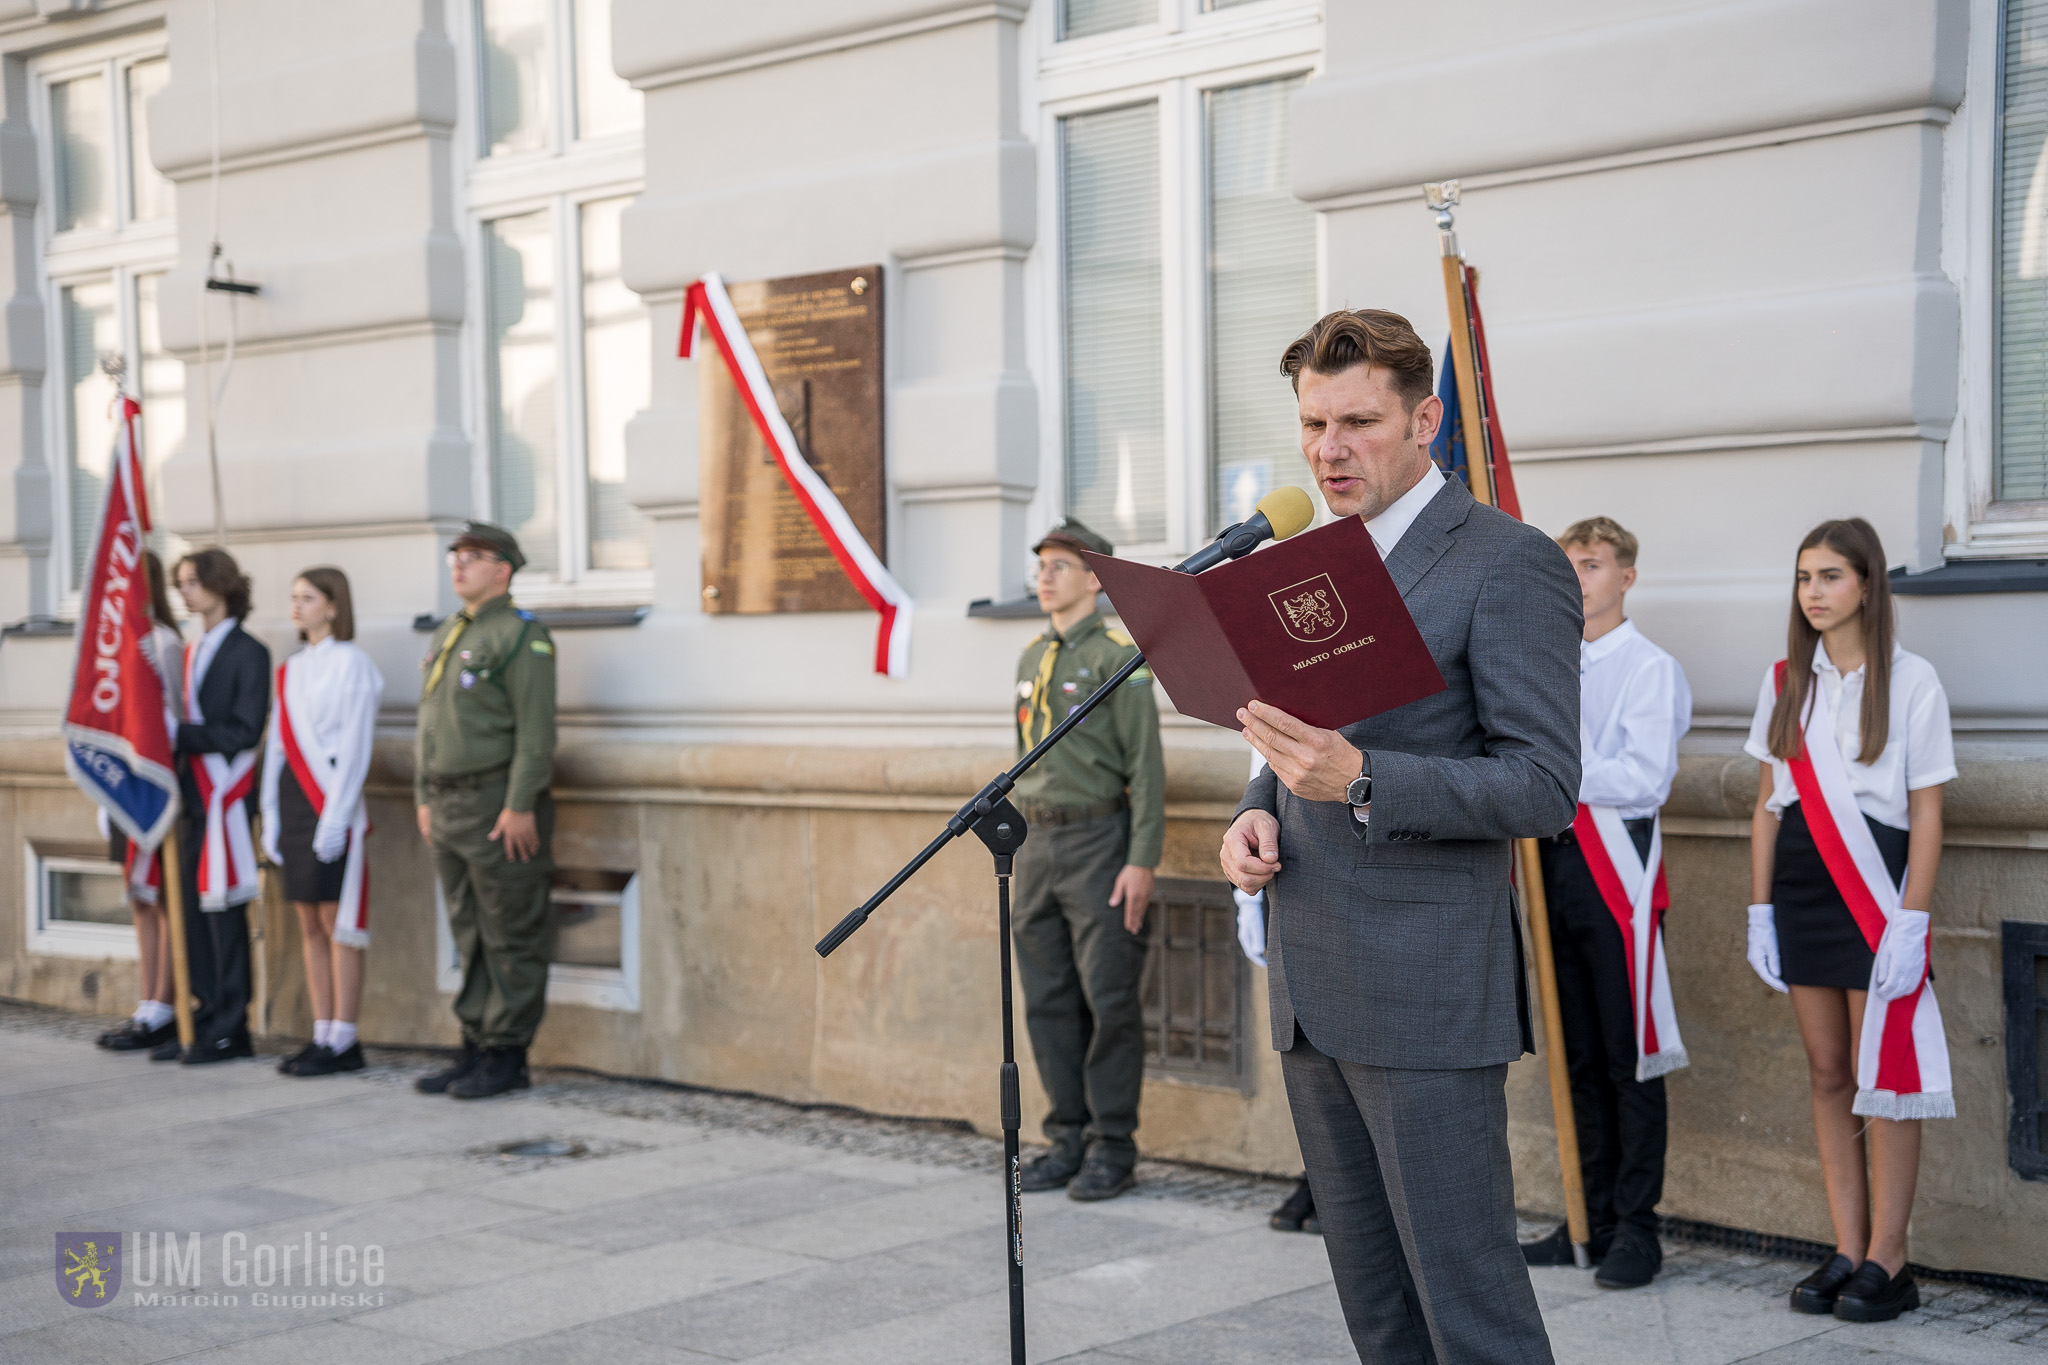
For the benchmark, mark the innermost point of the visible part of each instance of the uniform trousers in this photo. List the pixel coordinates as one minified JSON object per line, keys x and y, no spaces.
{"x":1416,"y":1198}
{"x":498,"y":911}
{"x":1621,"y":1120}
{"x":1081,"y":969}
{"x":216,"y":948}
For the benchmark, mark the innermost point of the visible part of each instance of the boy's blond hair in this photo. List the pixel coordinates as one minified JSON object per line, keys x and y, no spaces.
{"x":1602,"y":531}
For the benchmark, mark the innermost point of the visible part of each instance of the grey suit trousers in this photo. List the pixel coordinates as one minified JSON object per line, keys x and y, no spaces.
{"x":1417,"y":1202}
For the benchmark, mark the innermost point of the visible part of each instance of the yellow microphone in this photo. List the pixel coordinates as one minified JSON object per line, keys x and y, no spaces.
{"x":1281,"y":513}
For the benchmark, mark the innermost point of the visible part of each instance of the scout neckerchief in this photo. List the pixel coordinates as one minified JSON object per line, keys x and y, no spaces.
{"x":301,"y":743}
{"x":227,"y":855}
{"x":462,"y":620}
{"x":1902,"y":1069}
{"x":1040,"y":715}
{"x":1634,"y":891}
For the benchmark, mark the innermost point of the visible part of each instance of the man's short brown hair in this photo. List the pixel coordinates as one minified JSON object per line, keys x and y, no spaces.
{"x":1363,"y":336}
{"x":1602,"y":531}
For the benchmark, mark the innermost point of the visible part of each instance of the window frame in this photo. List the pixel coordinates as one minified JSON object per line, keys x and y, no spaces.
{"x":120,"y":254}
{"x":1175,"y":62}
{"x":69,"y":938}
{"x":598,"y":988}
{"x":1977,"y":524}
{"x":561,"y":176}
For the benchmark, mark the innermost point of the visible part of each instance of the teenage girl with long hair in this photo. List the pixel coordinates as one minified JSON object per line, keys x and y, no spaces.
{"x":1853,"y":735}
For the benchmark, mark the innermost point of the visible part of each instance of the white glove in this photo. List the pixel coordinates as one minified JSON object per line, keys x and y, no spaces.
{"x":329,"y":842}
{"x":1251,"y":924}
{"x":106,"y":825}
{"x":270,"y":847}
{"x":1763,"y":946}
{"x":1901,"y":956}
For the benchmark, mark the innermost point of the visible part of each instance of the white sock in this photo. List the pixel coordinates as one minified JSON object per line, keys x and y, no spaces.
{"x":152,"y":1014}
{"x":322,"y":1028}
{"x":341,"y":1035}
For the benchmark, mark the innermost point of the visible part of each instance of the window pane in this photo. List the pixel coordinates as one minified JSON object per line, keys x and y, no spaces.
{"x":1262,"y":294}
{"x":1080,"y":18}
{"x":91,"y":329}
{"x":518,"y":93}
{"x":1116,"y":404}
{"x":522,"y":368}
{"x":149,"y":191}
{"x":1225,"y":4}
{"x":2023,"y":286}
{"x":162,"y":390}
{"x":605,"y":103}
{"x":87,"y":898}
{"x":83,"y":134}
{"x":616,"y":346}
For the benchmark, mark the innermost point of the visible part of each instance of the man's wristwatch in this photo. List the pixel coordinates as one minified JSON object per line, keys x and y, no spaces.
{"x":1359,"y":793}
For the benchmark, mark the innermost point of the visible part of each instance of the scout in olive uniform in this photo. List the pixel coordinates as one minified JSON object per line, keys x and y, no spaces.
{"x":482,"y":765}
{"x":1096,"y":807}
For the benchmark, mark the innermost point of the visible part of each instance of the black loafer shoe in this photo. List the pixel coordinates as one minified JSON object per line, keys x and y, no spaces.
{"x":1816,"y":1293}
{"x":1298,"y":1213}
{"x":325,"y":1061}
{"x":437,"y":1084}
{"x":1873,"y":1296}
{"x":226,"y":1049}
{"x":1048,"y":1172}
{"x":290,"y":1065}
{"x":166,"y":1052}
{"x":1632,"y":1262}
{"x":133,"y":1037}
{"x":1556,"y":1249}
{"x":1099,"y":1180}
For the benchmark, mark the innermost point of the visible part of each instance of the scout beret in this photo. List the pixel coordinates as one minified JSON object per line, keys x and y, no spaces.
{"x":481,"y":535}
{"x":1070,"y":534}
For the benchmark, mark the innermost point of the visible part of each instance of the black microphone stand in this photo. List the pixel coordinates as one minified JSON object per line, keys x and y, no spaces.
{"x":1001,"y":826}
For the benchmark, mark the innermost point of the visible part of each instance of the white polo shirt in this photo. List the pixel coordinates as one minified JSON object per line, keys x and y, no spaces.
{"x":1919,"y":751}
{"x":1633,"y":706}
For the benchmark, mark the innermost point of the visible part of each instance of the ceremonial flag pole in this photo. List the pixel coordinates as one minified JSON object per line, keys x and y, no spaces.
{"x":1476,"y":435}
{"x":117,"y":747}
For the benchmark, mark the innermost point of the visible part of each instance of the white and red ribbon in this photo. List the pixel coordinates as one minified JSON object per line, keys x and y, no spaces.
{"x":352,"y":916}
{"x":1633,"y":888}
{"x":1902,"y":1068}
{"x":707,"y":298}
{"x":227,"y":855}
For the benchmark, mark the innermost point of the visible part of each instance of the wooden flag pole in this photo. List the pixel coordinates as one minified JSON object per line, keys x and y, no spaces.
{"x":1443,"y":198}
{"x":174,"y":914}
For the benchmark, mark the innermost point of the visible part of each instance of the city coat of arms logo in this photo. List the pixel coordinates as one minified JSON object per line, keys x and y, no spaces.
{"x":1311,"y":609}
{"x":89,"y":1268}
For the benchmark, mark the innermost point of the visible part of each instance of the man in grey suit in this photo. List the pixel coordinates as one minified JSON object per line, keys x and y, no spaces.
{"x":1396,"y":974}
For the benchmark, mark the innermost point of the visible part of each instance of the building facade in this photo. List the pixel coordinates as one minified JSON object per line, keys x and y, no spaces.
{"x":1747,"y":265}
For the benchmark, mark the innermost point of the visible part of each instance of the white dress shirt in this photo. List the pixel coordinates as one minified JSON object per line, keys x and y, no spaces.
{"x":335,"y":692}
{"x":208,"y":646}
{"x":1633,"y":706}
{"x":1919,"y":750}
{"x":1389,"y":526}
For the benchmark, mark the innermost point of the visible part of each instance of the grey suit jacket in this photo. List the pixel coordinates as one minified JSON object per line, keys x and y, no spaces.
{"x":1394,"y":943}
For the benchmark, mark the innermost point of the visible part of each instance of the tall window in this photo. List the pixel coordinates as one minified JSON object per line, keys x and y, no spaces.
{"x":108,"y":237}
{"x":2020,"y":473}
{"x":1184,"y":264}
{"x":565,"y":343}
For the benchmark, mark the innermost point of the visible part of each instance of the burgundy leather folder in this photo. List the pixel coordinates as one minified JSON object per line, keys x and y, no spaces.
{"x":1312,"y":625}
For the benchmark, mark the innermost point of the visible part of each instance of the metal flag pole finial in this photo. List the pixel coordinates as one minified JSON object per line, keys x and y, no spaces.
{"x":1442,"y":195}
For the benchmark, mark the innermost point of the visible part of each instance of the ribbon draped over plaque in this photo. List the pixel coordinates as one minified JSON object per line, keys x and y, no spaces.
{"x":707,"y":299}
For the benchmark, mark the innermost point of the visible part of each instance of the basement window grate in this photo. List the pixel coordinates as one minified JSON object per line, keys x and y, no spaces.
{"x":2026,"y":1046}
{"x":1194,"y":984}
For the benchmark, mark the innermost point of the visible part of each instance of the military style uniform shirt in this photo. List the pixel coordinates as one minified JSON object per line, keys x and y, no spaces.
{"x":1114,"y":752}
{"x":487,"y":702}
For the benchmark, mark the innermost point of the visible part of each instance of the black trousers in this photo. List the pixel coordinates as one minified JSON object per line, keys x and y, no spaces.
{"x":216,"y":951}
{"x":1621,"y":1120}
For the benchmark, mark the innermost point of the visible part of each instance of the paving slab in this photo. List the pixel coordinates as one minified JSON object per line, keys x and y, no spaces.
{"x":695,"y":1227}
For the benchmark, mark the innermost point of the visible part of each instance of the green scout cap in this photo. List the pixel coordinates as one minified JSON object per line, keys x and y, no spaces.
{"x":1069,"y":534}
{"x":481,"y":535}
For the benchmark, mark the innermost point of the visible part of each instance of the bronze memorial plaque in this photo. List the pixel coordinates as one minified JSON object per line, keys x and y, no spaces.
{"x":820,"y":340}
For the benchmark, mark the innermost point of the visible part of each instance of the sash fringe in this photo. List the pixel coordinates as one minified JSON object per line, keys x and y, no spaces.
{"x":1662,"y":1063}
{"x":1883,"y":1104}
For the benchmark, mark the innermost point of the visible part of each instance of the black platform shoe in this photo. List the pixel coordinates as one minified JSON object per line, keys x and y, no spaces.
{"x":1816,"y":1293}
{"x":290,"y":1065}
{"x":1298,"y":1214}
{"x":325,"y":1061}
{"x":134,"y":1036}
{"x":1873,"y":1296}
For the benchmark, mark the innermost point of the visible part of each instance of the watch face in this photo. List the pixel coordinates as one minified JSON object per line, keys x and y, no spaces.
{"x":1360,"y":791}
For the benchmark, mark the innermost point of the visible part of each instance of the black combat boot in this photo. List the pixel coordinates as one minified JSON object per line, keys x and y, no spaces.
{"x":503,"y":1069}
{"x":438,"y":1083}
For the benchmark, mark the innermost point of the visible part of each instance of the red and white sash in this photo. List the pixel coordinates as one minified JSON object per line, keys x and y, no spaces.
{"x":227,"y":855}
{"x":1634,"y":890}
{"x":314,"y":767}
{"x":1902,"y":1069}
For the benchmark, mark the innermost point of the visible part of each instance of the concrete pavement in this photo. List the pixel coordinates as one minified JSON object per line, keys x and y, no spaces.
{"x":697,"y":1227}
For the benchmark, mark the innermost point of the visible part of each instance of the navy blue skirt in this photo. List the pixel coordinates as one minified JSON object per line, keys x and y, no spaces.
{"x":1819,"y":943}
